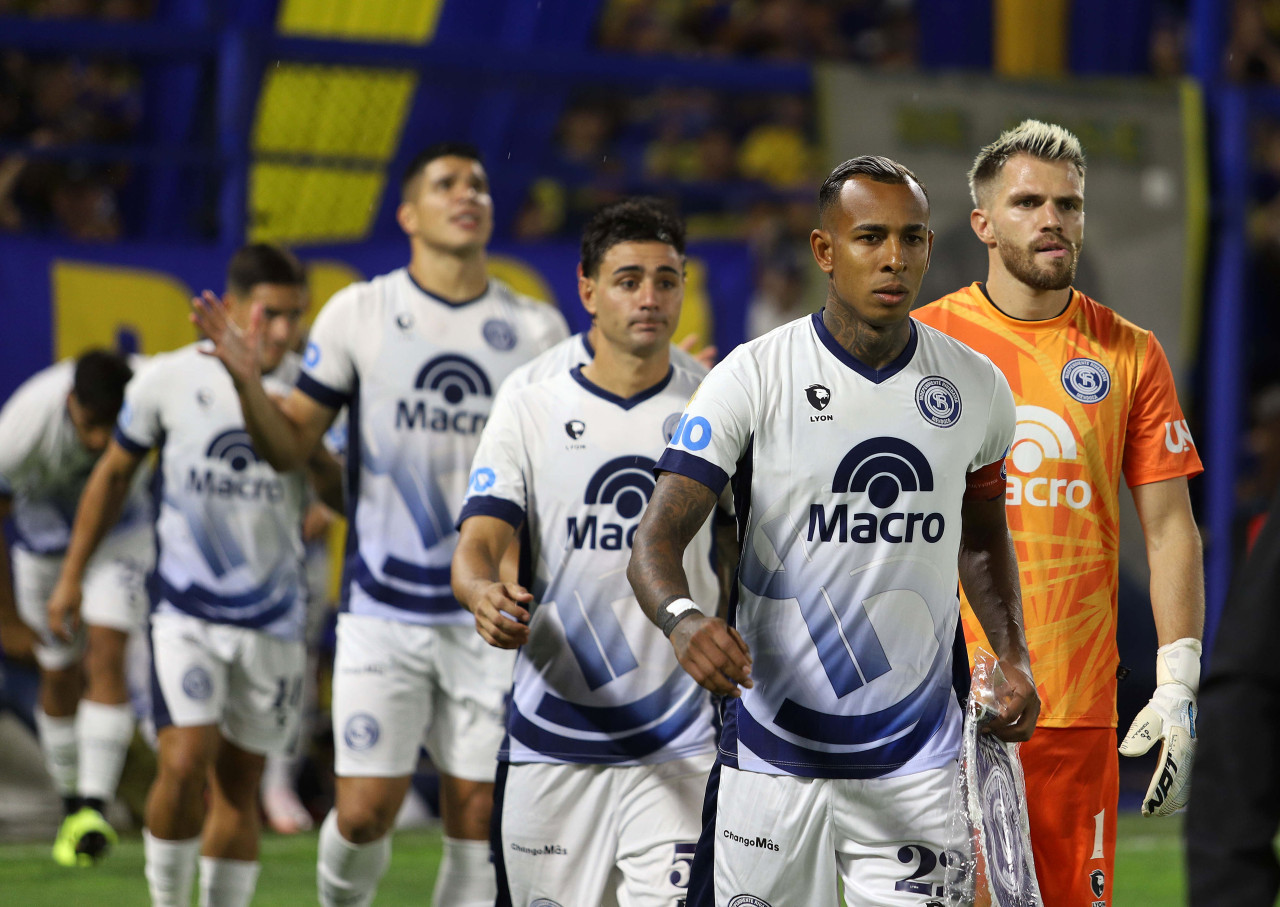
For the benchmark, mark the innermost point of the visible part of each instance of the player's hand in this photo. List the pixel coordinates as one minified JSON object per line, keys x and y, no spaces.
{"x":1018,"y":705}
{"x":713,"y":653}
{"x":500,"y":619}
{"x":706,"y":357}
{"x":1169,"y":717}
{"x":237,"y":348}
{"x":64,"y":609}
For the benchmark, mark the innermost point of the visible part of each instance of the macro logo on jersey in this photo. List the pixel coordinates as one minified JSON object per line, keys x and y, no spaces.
{"x":232,"y":452}
{"x":938,"y":401}
{"x":882,"y":469}
{"x":1086,"y":379}
{"x":456,"y":379}
{"x":1043,"y":435}
{"x":197,"y":683}
{"x":818,"y":396}
{"x":499,"y":334}
{"x":362,"y":731}
{"x":624,"y":485}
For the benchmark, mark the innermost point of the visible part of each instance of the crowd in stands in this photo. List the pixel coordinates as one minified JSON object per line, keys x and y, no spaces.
{"x":53,"y":100}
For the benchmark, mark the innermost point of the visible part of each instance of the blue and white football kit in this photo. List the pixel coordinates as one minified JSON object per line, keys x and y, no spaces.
{"x":228,"y":592}
{"x":608,"y":739}
{"x":848,"y":483}
{"x":43,"y":469}
{"x":418,"y":375}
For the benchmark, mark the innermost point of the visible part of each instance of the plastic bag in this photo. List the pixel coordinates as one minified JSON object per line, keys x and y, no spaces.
{"x":989,"y":859}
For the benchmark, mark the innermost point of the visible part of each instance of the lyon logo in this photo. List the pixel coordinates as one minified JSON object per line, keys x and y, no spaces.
{"x":818,"y":395}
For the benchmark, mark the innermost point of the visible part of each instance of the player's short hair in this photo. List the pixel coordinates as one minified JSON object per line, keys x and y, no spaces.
{"x":263,"y":263}
{"x":874,"y":167}
{"x":629,"y":220}
{"x":1045,"y":141}
{"x":431,"y":153}
{"x":98,"y":385}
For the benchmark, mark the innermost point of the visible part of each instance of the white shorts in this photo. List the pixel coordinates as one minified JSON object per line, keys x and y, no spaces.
{"x":781,"y":840}
{"x":599,"y":834}
{"x":114,"y":593}
{"x":247,"y":683}
{"x":398,"y":687}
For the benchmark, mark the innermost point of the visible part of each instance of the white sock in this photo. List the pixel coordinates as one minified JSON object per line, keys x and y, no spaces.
{"x":279,"y":771}
{"x":58,"y":743}
{"x":103,"y":733}
{"x":347,"y":874}
{"x":170,"y":869}
{"x":466,"y":876}
{"x":227,"y":883}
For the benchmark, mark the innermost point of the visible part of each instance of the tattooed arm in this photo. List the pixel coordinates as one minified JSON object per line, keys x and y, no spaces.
{"x":710,"y":650}
{"x":989,"y":574}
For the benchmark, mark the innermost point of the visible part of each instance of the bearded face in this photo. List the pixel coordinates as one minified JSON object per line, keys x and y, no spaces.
{"x":1047,"y":263}
{"x":1036,"y":219}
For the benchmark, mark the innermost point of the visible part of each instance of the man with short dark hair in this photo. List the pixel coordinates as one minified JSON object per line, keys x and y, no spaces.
{"x":54,"y":427}
{"x":228,"y":589}
{"x":1096,"y":402}
{"x":608,"y":740}
{"x":867,"y":458}
{"x":416,"y":355}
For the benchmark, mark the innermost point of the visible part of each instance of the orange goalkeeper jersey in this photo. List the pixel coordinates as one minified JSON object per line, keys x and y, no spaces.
{"x":1095,"y":399}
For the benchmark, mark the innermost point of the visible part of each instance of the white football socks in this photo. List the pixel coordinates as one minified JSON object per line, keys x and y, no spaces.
{"x":347,"y":874}
{"x":103,"y":733}
{"x":170,"y":869}
{"x":227,"y":883}
{"x":58,"y":743}
{"x":466,"y":876}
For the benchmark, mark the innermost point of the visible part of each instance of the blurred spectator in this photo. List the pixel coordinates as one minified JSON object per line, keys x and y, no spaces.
{"x":48,"y":101}
{"x":1253,"y":50}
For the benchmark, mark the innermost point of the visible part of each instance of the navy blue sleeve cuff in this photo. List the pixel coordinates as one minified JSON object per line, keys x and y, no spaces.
{"x":490,"y":506}
{"x":322,"y":394}
{"x":129,"y":444}
{"x":696,"y":468}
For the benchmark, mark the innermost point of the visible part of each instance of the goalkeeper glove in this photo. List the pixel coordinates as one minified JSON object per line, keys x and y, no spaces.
{"x":1170,"y":717}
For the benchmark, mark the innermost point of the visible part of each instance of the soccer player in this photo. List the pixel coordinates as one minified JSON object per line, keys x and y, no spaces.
{"x":1096,"y":401}
{"x":867,"y":458}
{"x":608,"y":740}
{"x":54,"y":428}
{"x":228,"y":594}
{"x":416,"y":355}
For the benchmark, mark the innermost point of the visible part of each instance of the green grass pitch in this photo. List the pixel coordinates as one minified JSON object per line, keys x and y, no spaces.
{"x":1148,"y":871}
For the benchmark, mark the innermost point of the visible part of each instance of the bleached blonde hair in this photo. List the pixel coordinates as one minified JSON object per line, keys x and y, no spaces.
{"x":1045,"y":141}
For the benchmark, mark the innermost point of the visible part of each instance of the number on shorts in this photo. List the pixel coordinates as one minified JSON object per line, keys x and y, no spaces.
{"x":288,"y":696}
{"x":928,"y":861}
{"x":682,"y":865}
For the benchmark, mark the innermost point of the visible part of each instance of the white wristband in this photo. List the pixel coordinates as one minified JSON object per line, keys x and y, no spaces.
{"x":1179,"y":662}
{"x":673,"y":612}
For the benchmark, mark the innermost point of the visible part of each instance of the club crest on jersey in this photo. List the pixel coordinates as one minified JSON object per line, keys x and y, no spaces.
{"x":482,"y":480}
{"x":938,"y":401}
{"x":197,"y":683}
{"x":1098,"y":882}
{"x":455,"y":378}
{"x":669,"y":427}
{"x":818,"y":396}
{"x":499,"y":334}
{"x":574,"y":428}
{"x":882,"y":469}
{"x":748,"y":900}
{"x":362,"y":731}
{"x":624,"y":483}
{"x":1087,"y":380}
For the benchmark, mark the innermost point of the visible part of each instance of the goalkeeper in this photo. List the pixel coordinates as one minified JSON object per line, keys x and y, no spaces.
{"x":1096,"y":402}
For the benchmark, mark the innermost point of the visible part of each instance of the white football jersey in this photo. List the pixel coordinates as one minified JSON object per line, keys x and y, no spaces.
{"x":850,"y":482}
{"x":229,"y":530}
{"x":44,"y":467}
{"x":573,"y":464}
{"x":418,"y":375}
{"x":576,"y":350}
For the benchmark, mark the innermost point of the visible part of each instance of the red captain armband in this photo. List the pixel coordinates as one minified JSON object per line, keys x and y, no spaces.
{"x":987,"y":483}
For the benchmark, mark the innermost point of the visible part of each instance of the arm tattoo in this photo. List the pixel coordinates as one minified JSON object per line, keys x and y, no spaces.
{"x":676,"y":512}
